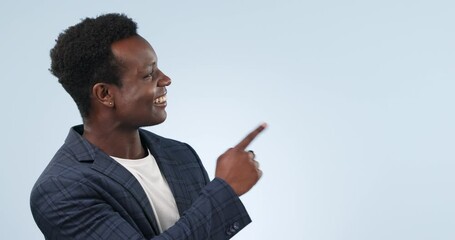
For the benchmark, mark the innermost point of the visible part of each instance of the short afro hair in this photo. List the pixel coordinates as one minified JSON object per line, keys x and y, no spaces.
{"x":82,"y":55}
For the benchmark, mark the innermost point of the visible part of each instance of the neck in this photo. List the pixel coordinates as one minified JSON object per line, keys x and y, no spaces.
{"x":114,"y":141}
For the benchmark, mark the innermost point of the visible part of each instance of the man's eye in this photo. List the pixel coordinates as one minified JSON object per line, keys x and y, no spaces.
{"x":150,"y":75}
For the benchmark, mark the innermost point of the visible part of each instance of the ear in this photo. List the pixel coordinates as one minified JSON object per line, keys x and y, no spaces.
{"x":103,"y":93}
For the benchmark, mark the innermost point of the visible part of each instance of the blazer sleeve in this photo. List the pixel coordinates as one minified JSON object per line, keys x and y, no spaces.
{"x":69,"y":209}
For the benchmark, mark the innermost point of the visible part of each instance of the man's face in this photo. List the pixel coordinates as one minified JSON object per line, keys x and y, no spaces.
{"x":141,"y":101}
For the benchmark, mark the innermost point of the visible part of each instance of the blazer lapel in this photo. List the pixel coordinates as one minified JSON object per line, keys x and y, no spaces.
{"x":170,"y":169}
{"x":169,"y":165}
{"x":84,"y":151}
{"x":109,"y":167}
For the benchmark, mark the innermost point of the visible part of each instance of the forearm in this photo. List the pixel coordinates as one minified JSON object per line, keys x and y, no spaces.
{"x":217,"y":214}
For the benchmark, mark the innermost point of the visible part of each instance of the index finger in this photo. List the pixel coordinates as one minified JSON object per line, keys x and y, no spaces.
{"x":250,"y":137}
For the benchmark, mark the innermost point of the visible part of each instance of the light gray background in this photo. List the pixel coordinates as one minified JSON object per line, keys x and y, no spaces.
{"x":359,"y":96}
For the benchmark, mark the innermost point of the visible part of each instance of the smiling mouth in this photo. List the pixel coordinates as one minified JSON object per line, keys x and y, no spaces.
{"x":160,"y":100}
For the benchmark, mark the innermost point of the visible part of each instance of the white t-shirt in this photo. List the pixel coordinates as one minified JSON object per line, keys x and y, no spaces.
{"x":155,"y":186}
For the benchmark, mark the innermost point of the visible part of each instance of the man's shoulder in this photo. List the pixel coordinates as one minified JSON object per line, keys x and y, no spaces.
{"x":65,"y":164}
{"x":71,"y":161}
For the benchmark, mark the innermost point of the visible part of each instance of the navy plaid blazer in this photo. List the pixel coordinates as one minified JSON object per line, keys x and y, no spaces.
{"x":85,"y":194}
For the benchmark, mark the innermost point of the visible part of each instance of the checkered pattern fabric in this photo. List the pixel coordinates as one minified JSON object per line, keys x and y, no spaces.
{"x":84,"y":194}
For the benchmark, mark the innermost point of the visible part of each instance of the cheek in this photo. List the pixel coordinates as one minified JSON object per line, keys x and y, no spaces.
{"x":138,"y":95}
{"x":126,"y":100}
{"x":149,"y":92}
{"x":131,"y":95}
{"x":147,"y":96}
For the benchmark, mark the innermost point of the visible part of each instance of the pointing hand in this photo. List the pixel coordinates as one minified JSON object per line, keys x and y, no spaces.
{"x":238,"y":167}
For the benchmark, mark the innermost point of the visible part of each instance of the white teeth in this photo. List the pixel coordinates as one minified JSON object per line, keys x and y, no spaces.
{"x":160,"y":100}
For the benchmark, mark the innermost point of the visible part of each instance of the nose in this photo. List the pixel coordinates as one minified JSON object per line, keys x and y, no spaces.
{"x":164,"y":80}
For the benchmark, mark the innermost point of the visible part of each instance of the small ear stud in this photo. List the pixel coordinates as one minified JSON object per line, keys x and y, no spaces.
{"x":110,"y":103}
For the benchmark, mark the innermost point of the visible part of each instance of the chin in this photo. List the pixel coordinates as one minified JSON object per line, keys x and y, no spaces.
{"x":157,"y":120}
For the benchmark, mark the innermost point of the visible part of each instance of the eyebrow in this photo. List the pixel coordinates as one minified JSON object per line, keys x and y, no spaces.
{"x":153,"y":64}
